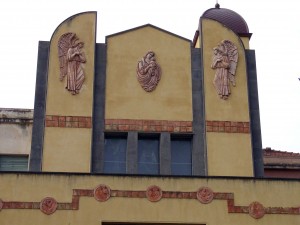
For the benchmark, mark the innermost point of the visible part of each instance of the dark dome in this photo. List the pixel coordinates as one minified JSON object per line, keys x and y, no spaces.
{"x":228,"y":18}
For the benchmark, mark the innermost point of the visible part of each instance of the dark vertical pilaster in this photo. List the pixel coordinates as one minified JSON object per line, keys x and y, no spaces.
{"x":199,"y":147}
{"x":99,"y":109}
{"x":165,"y":153}
{"x":37,"y":141}
{"x":132,"y":153}
{"x":254,"y":114}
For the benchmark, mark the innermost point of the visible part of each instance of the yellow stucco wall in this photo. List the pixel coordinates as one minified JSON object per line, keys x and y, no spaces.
{"x":125,"y":98}
{"x":245,"y":41}
{"x":59,"y":100}
{"x":229,"y":154}
{"x":236,"y":107}
{"x":237,"y":159}
{"x":197,"y":43}
{"x":69,"y":152}
{"x":64,"y":148}
{"x":35,"y":187}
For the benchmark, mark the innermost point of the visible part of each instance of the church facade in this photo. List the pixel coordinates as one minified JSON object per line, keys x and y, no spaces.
{"x":147,"y":128}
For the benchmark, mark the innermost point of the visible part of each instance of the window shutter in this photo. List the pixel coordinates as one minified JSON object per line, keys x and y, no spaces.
{"x":13,"y":163}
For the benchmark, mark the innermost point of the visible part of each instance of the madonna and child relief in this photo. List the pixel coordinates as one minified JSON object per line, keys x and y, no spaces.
{"x":148,"y":72}
{"x":224,"y":61}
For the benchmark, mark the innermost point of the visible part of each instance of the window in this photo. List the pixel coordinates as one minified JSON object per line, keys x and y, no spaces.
{"x":148,"y":155}
{"x":135,"y":153}
{"x":13,"y":162}
{"x":115,"y":154}
{"x":181,"y":156}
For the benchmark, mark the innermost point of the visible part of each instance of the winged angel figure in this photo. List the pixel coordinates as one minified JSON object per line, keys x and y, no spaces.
{"x":71,"y":59}
{"x":224,"y":60}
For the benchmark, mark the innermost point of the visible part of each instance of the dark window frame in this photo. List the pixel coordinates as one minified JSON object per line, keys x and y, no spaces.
{"x":115,"y":135}
{"x":140,"y":166}
{"x":182,"y":137}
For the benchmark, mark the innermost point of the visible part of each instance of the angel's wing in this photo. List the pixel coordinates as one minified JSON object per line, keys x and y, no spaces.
{"x":64,"y":43}
{"x":233,"y":55}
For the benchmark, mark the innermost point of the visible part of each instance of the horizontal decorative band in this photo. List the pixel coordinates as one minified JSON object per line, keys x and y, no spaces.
{"x":68,"y":121}
{"x":227,"y":126}
{"x":153,"y":193}
{"x":148,"y":125}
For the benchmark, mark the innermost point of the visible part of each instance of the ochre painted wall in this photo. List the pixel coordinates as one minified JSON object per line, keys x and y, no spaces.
{"x":70,"y":152}
{"x":125,"y":98}
{"x":229,"y":154}
{"x":235,"y":108}
{"x":63,"y":147}
{"x":35,"y":187}
{"x":59,"y":100}
{"x":245,"y":41}
{"x":197,"y":43}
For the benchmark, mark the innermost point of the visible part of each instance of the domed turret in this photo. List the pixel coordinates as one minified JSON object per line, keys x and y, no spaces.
{"x":229,"y":18}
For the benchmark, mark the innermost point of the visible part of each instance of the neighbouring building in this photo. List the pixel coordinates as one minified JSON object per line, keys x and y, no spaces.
{"x":146,"y":128}
{"x":15,"y":139}
{"x":281,"y":164}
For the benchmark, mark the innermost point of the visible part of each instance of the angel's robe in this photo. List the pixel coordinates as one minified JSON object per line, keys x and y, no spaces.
{"x":221,"y":80}
{"x":75,"y":75}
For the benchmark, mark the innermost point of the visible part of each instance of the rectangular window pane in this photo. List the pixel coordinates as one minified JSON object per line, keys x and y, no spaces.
{"x":181,"y":157}
{"x":13,"y":163}
{"x":148,"y":156}
{"x":115,"y":154}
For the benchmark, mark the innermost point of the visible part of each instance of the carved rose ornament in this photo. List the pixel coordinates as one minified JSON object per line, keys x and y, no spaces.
{"x":102,"y":193}
{"x":48,"y":205}
{"x":154,"y":193}
{"x":205,"y":195}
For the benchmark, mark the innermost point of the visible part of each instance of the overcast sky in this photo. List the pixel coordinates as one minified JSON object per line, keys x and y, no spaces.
{"x":274,"y":24}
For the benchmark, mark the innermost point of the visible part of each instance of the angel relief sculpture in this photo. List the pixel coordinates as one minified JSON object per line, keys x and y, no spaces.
{"x":71,"y":59}
{"x":224,"y":61}
{"x":148,"y":72}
